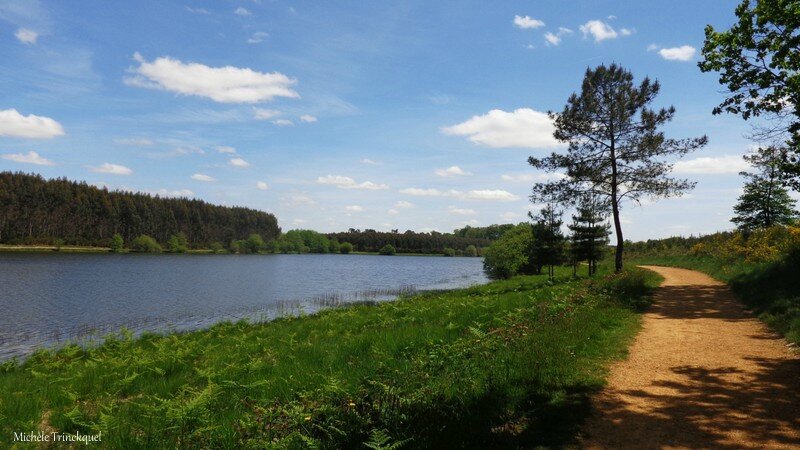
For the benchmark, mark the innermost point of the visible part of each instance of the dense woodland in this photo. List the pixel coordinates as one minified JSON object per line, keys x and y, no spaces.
{"x":38,"y":211}
{"x":408,"y":241}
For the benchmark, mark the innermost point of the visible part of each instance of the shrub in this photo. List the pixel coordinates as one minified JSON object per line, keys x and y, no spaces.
{"x":117,"y":243}
{"x":388,"y":250}
{"x":471,"y":250}
{"x":178,"y":243}
{"x":345,"y":248}
{"x":509,"y":255}
{"x":145,"y":244}
{"x":449,"y":251}
{"x":234,"y":246}
{"x":216,"y":247}
{"x":255,"y":243}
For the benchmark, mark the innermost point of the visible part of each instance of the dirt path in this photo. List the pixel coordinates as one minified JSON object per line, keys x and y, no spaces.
{"x":702,"y":373}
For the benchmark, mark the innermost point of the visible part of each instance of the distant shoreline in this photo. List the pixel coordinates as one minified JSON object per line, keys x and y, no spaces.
{"x":88,"y":249}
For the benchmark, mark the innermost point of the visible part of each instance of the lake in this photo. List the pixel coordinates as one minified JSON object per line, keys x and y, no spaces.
{"x":48,"y":299}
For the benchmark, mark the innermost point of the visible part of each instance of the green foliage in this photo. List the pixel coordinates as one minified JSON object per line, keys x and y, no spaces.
{"x":548,"y":240}
{"x":58,"y":243}
{"x":509,"y":255}
{"x":86,"y":215}
{"x":449,"y":251}
{"x":616,"y":149}
{"x":303,"y":241}
{"x":145,"y":244}
{"x":388,"y":250}
{"x":254,"y":243}
{"x":589,"y":234}
{"x":234,"y":246}
{"x":758,"y":60}
{"x":333,"y":246}
{"x":345,"y":248}
{"x":511,"y":364}
{"x":765,"y":202}
{"x":117,"y":243}
{"x":491,"y":232}
{"x":407,"y":242}
{"x":178,"y":243}
{"x":471,"y":250}
{"x":216,"y":247}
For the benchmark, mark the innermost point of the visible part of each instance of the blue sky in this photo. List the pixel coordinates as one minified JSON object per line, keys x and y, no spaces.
{"x":409,"y":115}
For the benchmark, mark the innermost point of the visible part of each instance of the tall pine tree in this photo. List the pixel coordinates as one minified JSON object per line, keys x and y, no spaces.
{"x":589,"y":233}
{"x":548,"y":240}
{"x":765,"y":201}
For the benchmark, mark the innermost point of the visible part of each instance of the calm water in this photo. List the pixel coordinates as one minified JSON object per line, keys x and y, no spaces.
{"x":47,"y":299}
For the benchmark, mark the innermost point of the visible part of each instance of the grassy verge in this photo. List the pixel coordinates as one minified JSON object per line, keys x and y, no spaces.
{"x":508,"y":364}
{"x":771,"y":290}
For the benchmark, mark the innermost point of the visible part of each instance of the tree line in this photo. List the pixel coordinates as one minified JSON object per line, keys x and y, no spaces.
{"x":370,"y":240}
{"x":34,"y":210}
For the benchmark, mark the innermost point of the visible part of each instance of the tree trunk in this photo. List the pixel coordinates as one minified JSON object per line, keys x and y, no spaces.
{"x":618,"y":231}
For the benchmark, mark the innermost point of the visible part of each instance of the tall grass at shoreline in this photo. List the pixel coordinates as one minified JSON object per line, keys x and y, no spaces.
{"x":504,"y":364}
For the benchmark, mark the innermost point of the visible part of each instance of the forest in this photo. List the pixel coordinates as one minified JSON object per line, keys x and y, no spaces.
{"x":34,"y":210}
{"x":411,"y":242}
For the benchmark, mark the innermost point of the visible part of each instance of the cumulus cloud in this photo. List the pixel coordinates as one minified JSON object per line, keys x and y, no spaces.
{"x":114,"y":169}
{"x":370,"y":162}
{"x":244,"y":12}
{"x":554,"y":39}
{"x":203,"y":177}
{"x":452,"y":171}
{"x":522,"y":128}
{"x":307,"y":118}
{"x":491,"y":194}
{"x":28,"y":158}
{"x":261,"y":185}
{"x":422,"y":192}
{"x":265,"y":114}
{"x":226,"y":149}
{"x":343,"y":182}
{"x":26,"y":36}
{"x":238,"y":162}
{"x":14,"y":124}
{"x":222,"y":84}
{"x":532,"y":177}
{"x":461,"y":211}
{"x":393,"y":212}
{"x":600,"y":30}
{"x":527,"y":22}
{"x":257,"y":37}
{"x":300,"y":200}
{"x":175,"y":193}
{"x":136,"y":142}
{"x":283,"y":122}
{"x":354,"y":208}
{"x":202,"y":11}
{"x":708,"y":165}
{"x":682,"y":53}
{"x":403,"y":204}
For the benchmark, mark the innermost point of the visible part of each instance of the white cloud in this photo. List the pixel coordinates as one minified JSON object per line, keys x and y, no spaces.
{"x":238,"y":162}
{"x":257,"y":37}
{"x":203,"y":177}
{"x":283,"y":122}
{"x":403,"y":204}
{"x":136,"y":142}
{"x":26,"y":36}
{"x":226,"y":149}
{"x":461,"y":211}
{"x":452,"y":171}
{"x":477,"y":194}
{"x":555,"y":38}
{"x":527,"y":22}
{"x":523,"y":128}
{"x":299,"y":221}
{"x":491,"y":194}
{"x":652,"y":47}
{"x":354,"y":208}
{"x":14,"y":124}
{"x":222,"y":84}
{"x":202,"y":11}
{"x":712,"y":165}
{"x":343,"y":182}
{"x":175,"y":193}
{"x":599,"y":30}
{"x":370,"y":162}
{"x":510,"y":216}
{"x":627,"y":31}
{"x":114,"y":169}
{"x":244,"y":12}
{"x":307,"y":118}
{"x":420,"y":192}
{"x":265,"y":114}
{"x":393,"y":212}
{"x":532,"y":177}
{"x":28,"y":158}
{"x":262,"y":185}
{"x":682,"y":53}
{"x":301,"y":200}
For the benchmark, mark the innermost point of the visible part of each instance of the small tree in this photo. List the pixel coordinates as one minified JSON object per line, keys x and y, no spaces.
{"x":471,"y":250}
{"x":548,"y":244}
{"x":117,"y":243}
{"x":510,"y":254}
{"x":388,"y":250}
{"x":765,"y":202}
{"x":615,"y":146}
{"x":333,"y":246}
{"x":145,"y":244}
{"x":234,"y":246}
{"x":589,"y":233}
{"x":255,"y":243}
{"x":178,"y":243}
{"x":345,"y":248}
{"x":216,"y":247}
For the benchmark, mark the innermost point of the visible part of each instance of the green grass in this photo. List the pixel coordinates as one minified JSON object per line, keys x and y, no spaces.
{"x":771,"y":290}
{"x":508,"y":364}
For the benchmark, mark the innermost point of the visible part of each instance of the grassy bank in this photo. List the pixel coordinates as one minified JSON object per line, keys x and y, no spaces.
{"x":771,"y":289}
{"x":511,"y":363}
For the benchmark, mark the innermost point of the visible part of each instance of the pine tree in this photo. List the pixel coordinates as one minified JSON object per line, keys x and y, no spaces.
{"x":548,"y":240}
{"x":765,"y":201}
{"x":589,"y":233}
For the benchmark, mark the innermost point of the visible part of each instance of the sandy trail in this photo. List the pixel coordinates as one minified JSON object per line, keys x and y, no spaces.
{"x":702,"y":373}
